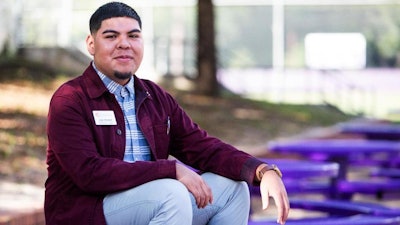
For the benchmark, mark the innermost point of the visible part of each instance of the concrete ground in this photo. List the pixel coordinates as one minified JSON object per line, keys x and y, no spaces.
{"x":19,"y":199}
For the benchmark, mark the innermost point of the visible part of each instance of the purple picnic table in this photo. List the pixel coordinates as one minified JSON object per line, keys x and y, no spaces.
{"x":337,"y":150}
{"x":335,"y":147}
{"x":341,"y":151}
{"x":386,"y":172}
{"x":372,"y":130}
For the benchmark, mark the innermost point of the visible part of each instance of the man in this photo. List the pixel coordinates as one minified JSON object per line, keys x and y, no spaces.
{"x":110,"y":135}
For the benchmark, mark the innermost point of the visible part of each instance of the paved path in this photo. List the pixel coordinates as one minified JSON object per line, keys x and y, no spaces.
{"x":19,"y":198}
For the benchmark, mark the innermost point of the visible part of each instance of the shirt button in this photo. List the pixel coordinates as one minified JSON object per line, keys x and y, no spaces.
{"x":119,"y":131}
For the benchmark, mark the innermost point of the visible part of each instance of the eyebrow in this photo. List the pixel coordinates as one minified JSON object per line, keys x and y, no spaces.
{"x":116,"y":32}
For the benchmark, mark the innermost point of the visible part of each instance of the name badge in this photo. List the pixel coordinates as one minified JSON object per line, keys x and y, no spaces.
{"x":104,"y":117}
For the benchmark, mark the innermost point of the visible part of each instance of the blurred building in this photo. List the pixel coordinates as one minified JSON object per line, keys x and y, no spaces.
{"x":251,"y":33}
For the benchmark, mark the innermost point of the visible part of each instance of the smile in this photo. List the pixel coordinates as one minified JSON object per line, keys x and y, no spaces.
{"x":124,"y":57}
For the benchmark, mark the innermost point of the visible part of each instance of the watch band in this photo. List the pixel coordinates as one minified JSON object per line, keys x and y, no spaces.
{"x":268,"y":168}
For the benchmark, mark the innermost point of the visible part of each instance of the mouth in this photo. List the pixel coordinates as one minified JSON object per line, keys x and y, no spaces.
{"x":123,"y":57}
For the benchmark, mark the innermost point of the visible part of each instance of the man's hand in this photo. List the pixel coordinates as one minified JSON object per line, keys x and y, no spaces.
{"x":195,"y":184}
{"x":272,"y":186}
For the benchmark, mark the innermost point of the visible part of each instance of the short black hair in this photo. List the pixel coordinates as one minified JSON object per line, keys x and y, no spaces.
{"x":111,"y":10}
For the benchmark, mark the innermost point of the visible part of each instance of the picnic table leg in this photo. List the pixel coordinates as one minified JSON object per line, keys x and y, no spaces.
{"x":342,"y":175}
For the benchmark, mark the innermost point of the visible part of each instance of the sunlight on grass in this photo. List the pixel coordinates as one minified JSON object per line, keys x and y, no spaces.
{"x":7,"y":143}
{"x":23,"y":111}
{"x":252,"y":114}
{"x":24,"y":99}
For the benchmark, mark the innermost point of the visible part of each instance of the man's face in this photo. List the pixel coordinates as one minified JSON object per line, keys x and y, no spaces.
{"x":117,"y":48}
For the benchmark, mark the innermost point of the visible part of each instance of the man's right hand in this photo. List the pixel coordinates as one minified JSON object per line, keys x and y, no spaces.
{"x":195,"y":184}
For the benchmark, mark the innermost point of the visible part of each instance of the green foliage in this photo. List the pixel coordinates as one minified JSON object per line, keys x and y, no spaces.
{"x":379,"y":24}
{"x":244,"y":33}
{"x":244,"y":37}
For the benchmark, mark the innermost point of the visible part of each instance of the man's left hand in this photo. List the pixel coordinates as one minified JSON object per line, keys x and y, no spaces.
{"x":272,"y":186}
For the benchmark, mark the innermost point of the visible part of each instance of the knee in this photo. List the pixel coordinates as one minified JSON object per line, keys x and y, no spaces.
{"x":243,"y":187}
{"x":175,"y":190}
{"x":237,"y":188}
{"x":176,"y":199}
{"x":242,"y":191}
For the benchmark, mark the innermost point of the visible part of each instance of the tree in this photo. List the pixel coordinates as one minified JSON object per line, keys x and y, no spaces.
{"x":207,"y":83}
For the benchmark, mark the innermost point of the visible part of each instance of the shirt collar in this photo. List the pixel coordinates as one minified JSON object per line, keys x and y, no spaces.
{"x":113,"y":86}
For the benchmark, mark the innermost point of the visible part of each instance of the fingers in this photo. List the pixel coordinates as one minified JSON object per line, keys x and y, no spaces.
{"x":203,"y":195}
{"x":203,"y":198}
{"x":208,"y":192}
{"x":196,"y":185}
{"x":265,"y":200}
{"x":272,"y":186}
{"x":283,"y":209}
{"x":264,"y":190}
{"x":282,"y":203}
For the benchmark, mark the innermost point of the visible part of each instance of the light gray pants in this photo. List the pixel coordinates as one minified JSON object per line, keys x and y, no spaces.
{"x":168,"y":202}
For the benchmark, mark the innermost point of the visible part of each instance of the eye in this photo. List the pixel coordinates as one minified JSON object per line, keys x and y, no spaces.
{"x":135,"y":35}
{"x":112,"y":36}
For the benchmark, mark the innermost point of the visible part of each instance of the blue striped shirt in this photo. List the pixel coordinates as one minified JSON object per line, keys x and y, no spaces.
{"x":136,"y":148}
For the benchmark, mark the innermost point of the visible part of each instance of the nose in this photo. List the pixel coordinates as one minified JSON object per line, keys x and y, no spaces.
{"x":123,"y":43}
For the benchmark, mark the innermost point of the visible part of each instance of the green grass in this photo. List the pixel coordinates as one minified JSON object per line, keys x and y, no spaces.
{"x":243,"y":121}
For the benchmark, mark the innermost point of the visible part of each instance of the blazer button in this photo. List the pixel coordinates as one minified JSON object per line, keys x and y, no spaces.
{"x":119,"y":131}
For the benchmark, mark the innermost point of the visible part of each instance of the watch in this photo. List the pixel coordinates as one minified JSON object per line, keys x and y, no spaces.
{"x":268,"y":168}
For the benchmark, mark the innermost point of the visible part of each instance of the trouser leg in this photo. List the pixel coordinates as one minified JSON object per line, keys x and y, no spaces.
{"x":167,"y":201}
{"x":164,"y":201}
{"x":231,"y":202}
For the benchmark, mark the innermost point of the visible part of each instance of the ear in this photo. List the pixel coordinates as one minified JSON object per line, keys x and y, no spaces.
{"x":90,"y":44}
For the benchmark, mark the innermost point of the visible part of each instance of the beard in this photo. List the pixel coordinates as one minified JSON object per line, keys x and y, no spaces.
{"x":123,"y":76}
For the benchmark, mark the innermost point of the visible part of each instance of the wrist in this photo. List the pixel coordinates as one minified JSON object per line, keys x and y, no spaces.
{"x":263,"y":168}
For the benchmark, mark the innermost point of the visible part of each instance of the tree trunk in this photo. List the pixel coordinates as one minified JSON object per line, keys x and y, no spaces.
{"x":206,"y":82}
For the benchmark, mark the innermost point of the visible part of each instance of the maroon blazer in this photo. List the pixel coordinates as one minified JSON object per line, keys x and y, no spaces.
{"x":85,"y":160}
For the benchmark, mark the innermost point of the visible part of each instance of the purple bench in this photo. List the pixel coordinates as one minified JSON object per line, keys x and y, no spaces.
{"x":345,"y":208}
